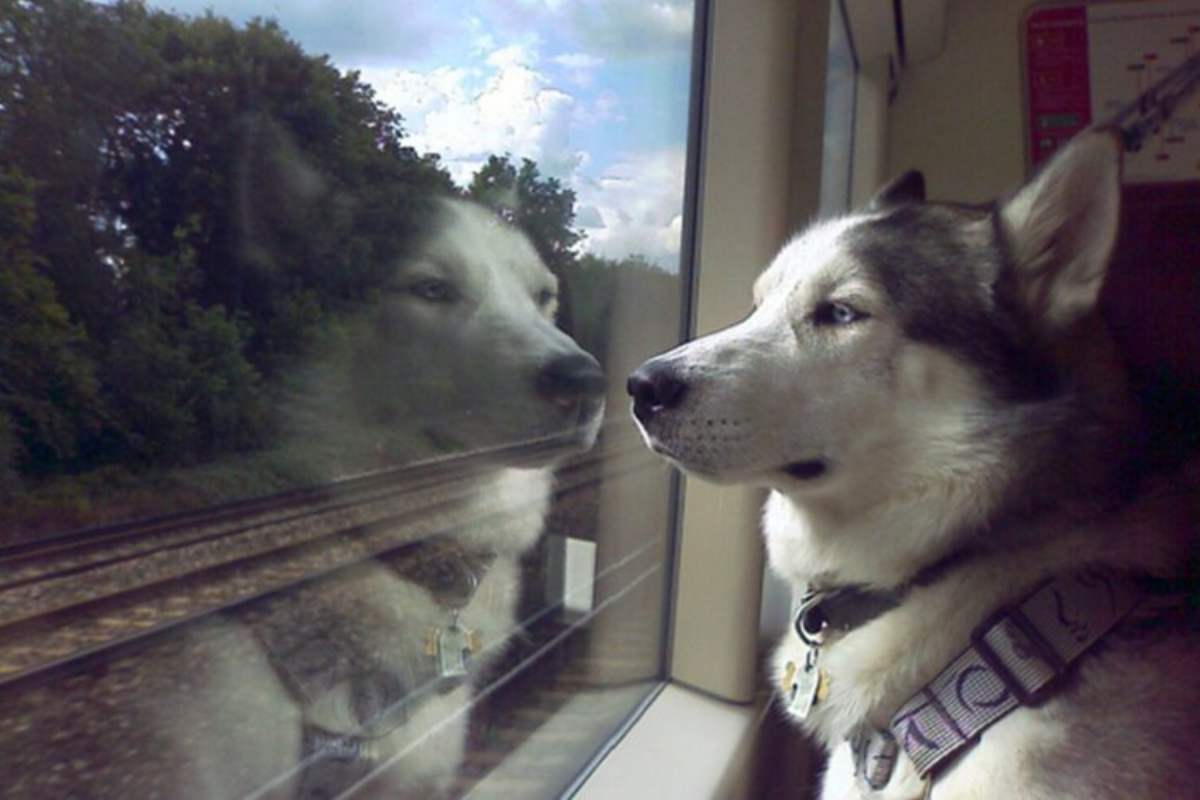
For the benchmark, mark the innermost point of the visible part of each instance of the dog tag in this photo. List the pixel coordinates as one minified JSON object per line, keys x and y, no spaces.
{"x":805,"y":685}
{"x":455,"y":645}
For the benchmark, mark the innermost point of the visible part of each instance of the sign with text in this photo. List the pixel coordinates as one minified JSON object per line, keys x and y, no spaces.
{"x":1084,"y":63}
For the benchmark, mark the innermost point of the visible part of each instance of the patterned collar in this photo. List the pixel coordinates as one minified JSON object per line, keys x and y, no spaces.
{"x":1016,"y":657}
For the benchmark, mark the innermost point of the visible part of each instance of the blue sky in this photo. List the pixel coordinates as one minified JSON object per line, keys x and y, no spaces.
{"x":595,"y":91}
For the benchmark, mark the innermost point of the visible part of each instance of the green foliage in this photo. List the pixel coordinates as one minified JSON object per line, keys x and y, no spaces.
{"x":10,"y":477}
{"x":185,"y":206}
{"x":187,"y":209}
{"x":539,"y":206}
{"x":47,"y":384}
{"x":177,"y":379}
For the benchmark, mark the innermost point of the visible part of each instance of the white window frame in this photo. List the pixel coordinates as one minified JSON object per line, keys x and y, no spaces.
{"x":759,"y":181}
{"x":760,"y":159}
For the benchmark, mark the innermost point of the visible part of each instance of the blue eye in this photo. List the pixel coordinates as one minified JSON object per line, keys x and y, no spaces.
{"x":434,"y":290}
{"x":545,"y":297}
{"x":831,"y":313}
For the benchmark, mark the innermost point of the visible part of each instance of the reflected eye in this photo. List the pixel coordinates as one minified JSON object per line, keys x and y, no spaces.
{"x":434,"y":290}
{"x":831,"y":313}
{"x":545,"y":297}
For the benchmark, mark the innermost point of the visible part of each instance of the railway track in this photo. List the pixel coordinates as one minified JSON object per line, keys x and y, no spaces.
{"x":69,"y":602}
{"x":32,"y":560}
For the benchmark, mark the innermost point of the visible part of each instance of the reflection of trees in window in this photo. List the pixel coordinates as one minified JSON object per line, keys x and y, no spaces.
{"x":188,"y":209}
{"x":539,"y":206}
{"x":199,"y":202}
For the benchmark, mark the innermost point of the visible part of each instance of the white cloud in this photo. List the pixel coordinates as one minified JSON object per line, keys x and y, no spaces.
{"x":482,"y":40}
{"x":579,"y":68}
{"x":606,"y":108}
{"x":578,"y":60}
{"x":638,"y":205}
{"x":616,"y":28}
{"x":632,"y":28}
{"x":508,"y":105}
{"x":467,"y":114}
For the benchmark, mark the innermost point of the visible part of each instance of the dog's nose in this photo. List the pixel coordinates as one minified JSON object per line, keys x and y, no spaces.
{"x":654,"y":388}
{"x":573,"y":377}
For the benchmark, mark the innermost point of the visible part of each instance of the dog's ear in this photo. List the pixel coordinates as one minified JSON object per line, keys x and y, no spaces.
{"x":1061,"y":228}
{"x":908,"y":188}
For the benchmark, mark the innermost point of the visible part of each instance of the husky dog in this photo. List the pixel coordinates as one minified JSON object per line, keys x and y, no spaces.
{"x":460,"y":356}
{"x":931,"y":397}
{"x":372,"y":670}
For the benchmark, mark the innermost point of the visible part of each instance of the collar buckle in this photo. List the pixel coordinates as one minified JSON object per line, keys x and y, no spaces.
{"x":811,"y":622}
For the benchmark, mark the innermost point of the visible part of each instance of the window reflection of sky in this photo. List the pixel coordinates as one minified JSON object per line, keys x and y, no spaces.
{"x":594,"y":92}
{"x":839,"y":118}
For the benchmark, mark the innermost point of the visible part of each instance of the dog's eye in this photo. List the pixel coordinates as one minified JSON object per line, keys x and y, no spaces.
{"x":831,"y":313}
{"x":434,"y":290}
{"x":545,"y":297}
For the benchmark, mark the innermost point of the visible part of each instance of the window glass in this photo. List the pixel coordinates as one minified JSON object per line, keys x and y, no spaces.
{"x":316,"y":472}
{"x":840,"y":82}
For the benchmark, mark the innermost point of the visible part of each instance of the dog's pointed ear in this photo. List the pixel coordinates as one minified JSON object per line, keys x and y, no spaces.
{"x":908,"y":188}
{"x":1062,"y":227}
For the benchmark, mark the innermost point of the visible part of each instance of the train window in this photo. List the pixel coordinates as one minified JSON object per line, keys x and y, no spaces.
{"x":312,"y":314}
{"x":840,"y":85}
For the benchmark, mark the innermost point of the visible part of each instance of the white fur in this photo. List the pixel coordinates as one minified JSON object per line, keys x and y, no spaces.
{"x":925,"y":460}
{"x":1064,"y":224}
{"x":416,"y":380}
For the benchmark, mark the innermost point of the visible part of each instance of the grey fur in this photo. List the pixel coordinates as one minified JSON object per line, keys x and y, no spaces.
{"x":946,"y":288}
{"x":972,"y":413}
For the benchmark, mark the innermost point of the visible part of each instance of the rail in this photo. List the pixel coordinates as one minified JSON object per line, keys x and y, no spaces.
{"x":72,"y":600}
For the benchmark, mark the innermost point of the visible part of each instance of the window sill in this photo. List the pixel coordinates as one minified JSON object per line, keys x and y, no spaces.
{"x":685,"y":745}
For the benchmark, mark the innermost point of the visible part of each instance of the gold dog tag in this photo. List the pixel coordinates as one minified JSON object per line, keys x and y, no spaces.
{"x":431,"y":641}
{"x":805,"y":686}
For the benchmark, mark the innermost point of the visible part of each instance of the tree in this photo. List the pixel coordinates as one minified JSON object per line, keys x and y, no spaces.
{"x":48,"y":388}
{"x":190,"y":204}
{"x":176,"y":380}
{"x":539,"y":206}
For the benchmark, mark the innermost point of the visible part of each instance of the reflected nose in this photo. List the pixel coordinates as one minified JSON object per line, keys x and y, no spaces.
{"x":573,"y":377}
{"x":654,"y":387}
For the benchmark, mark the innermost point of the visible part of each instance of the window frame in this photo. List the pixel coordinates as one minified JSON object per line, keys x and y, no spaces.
{"x":758,"y":64}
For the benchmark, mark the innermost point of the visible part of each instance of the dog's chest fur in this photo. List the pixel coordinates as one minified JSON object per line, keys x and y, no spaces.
{"x":875,"y":668}
{"x":931,"y":393}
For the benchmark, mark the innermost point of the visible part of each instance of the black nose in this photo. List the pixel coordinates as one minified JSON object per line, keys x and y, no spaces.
{"x":654,"y":388}
{"x":573,"y":377}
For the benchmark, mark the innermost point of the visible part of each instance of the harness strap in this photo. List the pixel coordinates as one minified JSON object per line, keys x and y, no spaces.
{"x":1014,"y":657}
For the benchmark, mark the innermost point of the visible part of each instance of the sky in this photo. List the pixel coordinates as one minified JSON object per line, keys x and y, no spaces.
{"x":594,"y":91}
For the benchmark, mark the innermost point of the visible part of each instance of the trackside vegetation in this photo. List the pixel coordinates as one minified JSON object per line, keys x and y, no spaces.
{"x":187,"y":209}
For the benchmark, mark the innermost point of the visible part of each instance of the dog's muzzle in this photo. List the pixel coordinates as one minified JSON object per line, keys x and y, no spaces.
{"x":574,"y":387}
{"x":570,"y":380}
{"x":655,"y":388}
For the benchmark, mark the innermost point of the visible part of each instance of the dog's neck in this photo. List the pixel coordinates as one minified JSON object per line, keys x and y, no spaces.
{"x":896,"y":520}
{"x":876,"y":667}
{"x":884,"y":546}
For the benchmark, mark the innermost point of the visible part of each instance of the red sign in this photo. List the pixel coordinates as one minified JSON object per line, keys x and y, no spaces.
{"x":1059,"y":92}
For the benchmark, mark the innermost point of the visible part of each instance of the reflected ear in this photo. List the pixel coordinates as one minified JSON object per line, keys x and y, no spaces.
{"x":908,"y":188}
{"x":1061,"y":228}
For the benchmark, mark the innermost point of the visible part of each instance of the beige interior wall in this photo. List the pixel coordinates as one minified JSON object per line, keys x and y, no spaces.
{"x":959,"y":118}
{"x":761,"y":171}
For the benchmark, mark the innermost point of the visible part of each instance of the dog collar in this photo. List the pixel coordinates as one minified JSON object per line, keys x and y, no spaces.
{"x":1014,"y":659}
{"x":836,"y":611}
{"x":823,"y":612}
{"x":840,"y":610}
